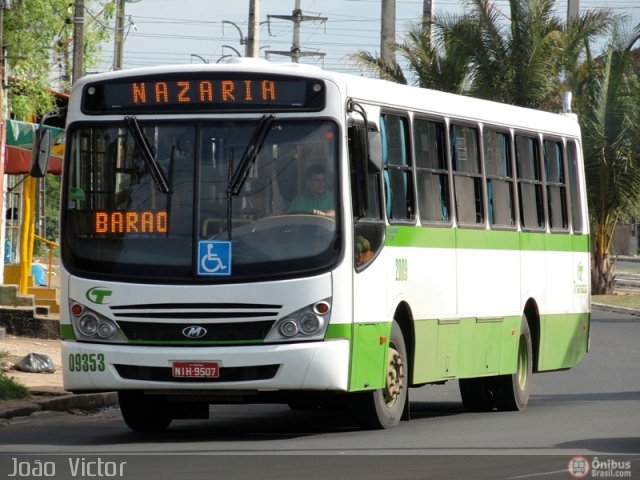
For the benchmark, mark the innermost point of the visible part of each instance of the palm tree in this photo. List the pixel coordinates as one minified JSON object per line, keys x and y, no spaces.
{"x":432,"y":63}
{"x":577,"y":55}
{"x":609,"y":112}
{"x":515,"y":59}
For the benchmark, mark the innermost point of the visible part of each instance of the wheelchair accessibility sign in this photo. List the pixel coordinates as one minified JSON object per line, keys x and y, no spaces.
{"x":214,"y":257}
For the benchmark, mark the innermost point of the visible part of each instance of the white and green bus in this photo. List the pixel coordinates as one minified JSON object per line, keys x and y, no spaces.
{"x":259,"y":233}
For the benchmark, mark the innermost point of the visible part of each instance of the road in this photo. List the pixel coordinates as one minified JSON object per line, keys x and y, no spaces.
{"x":591,"y":410}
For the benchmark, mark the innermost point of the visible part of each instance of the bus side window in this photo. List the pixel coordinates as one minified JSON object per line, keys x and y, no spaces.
{"x":368,"y":229}
{"x":431,"y":171}
{"x":498,"y":171}
{"x":529,"y":182}
{"x":576,"y":203}
{"x":397,"y":168}
{"x":556,"y":185}
{"x":467,"y":175}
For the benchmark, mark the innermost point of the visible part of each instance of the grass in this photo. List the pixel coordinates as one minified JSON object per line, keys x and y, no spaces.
{"x":635,"y":270}
{"x":9,"y":388}
{"x":628,"y":301}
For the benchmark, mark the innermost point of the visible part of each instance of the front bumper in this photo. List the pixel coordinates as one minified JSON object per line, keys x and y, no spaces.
{"x":300,"y":366}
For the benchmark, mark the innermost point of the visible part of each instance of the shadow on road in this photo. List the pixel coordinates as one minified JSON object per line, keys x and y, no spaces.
{"x":624,"y":445}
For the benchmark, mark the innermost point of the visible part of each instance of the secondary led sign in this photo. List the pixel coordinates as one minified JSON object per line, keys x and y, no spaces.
{"x":127,"y":222}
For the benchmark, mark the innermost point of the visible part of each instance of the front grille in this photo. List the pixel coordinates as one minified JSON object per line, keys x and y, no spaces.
{"x":189,"y":311}
{"x":224,"y":322}
{"x":229,"y":374}
{"x":216,"y":332}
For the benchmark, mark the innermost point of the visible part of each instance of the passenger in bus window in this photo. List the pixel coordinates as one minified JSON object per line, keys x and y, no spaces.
{"x":315,"y":199}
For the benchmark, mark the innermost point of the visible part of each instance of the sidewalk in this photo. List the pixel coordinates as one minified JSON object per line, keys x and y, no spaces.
{"x":47,"y":392}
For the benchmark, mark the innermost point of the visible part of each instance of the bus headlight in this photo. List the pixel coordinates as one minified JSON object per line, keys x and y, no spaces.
{"x":88,"y":325}
{"x":106,"y":329}
{"x":308,"y":323}
{"x":288,"y":328}
{"x":91,"y":326}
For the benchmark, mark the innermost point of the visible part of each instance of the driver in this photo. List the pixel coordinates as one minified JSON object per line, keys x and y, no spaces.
{"x":315,"y":199}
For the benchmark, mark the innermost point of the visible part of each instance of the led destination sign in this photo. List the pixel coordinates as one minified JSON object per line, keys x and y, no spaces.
{"x":203,"y":92}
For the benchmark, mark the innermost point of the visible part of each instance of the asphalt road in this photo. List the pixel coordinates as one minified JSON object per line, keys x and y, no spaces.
{"x":592,"y":410}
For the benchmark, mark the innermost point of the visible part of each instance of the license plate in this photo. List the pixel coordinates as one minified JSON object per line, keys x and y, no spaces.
{"x":195,"y":369}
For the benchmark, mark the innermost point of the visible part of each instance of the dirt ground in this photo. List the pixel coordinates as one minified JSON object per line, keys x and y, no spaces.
{"x":17,"y":347}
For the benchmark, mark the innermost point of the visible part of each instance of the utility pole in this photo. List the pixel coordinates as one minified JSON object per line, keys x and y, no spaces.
{"x":297,"y":18}
{"x":253,"y":37}
{"x":573,"y":10}
{"x":388,"y":31}
{"x":119,"y":36}
{"x":573,"y":13}
{"x":428,"y":8}
{"x":78,"y":41}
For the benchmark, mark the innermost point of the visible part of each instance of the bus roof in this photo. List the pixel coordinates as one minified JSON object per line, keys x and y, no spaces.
{"x":383,"y":93}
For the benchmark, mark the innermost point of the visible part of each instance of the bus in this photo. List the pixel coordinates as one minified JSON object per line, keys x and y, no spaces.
{"x":260,"y":233}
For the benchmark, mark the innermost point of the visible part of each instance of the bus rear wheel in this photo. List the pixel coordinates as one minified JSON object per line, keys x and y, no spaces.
{"x":144,"y":413}
{"x":383,"y":408}
{"x":511,"y":392}
{"x":476,"y":394}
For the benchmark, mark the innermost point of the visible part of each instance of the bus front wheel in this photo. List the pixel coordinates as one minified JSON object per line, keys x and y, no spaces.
{"x":383,"y":408}
{"x":144,"y":413}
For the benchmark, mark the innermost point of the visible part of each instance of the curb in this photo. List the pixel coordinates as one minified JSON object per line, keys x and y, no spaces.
{"x":614,"y":309}
{"x":62,"y":403}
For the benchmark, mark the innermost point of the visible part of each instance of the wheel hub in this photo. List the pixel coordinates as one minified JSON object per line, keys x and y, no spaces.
{"x":395,"y":376}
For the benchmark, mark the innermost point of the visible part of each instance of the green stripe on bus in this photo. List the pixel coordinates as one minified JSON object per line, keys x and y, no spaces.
{"x":432,"y":237}
{"x":66,"y":332}
{"x":464,"y":347}
{"x":563,"y":341}
{"x":193,"y":343}
{"x":468,"y":347}
{"x":339,"y":331}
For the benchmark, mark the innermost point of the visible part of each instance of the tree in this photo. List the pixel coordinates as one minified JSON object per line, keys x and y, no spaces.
{"x":516,"y":59}
{"x":524,"y":58}
{"x":432,"y":61}
{"x":37,"y":34}
{"x":609,"y":113}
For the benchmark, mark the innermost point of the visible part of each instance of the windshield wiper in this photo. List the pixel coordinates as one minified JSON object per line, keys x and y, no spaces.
{"x":250,"y":154}
{"x":158,"y":175}
{"x":237,"y":178}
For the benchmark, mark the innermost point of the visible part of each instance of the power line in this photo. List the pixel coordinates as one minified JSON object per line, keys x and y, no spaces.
{"x":354,"y":25}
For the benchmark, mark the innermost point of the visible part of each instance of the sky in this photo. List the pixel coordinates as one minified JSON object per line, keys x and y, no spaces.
{"x":189,"y":31}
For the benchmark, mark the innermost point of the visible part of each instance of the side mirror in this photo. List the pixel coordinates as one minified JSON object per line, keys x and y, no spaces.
{"x":40,"y":152}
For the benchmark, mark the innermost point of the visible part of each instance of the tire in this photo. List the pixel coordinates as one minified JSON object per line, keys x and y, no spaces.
{"x":144,"y":413}
{"x":383,"y":408}
{"x":511,"y":392}
{"x":476,"y":394}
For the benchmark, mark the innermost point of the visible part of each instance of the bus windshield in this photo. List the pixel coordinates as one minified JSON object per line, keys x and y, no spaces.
{"x":146,"y":200}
